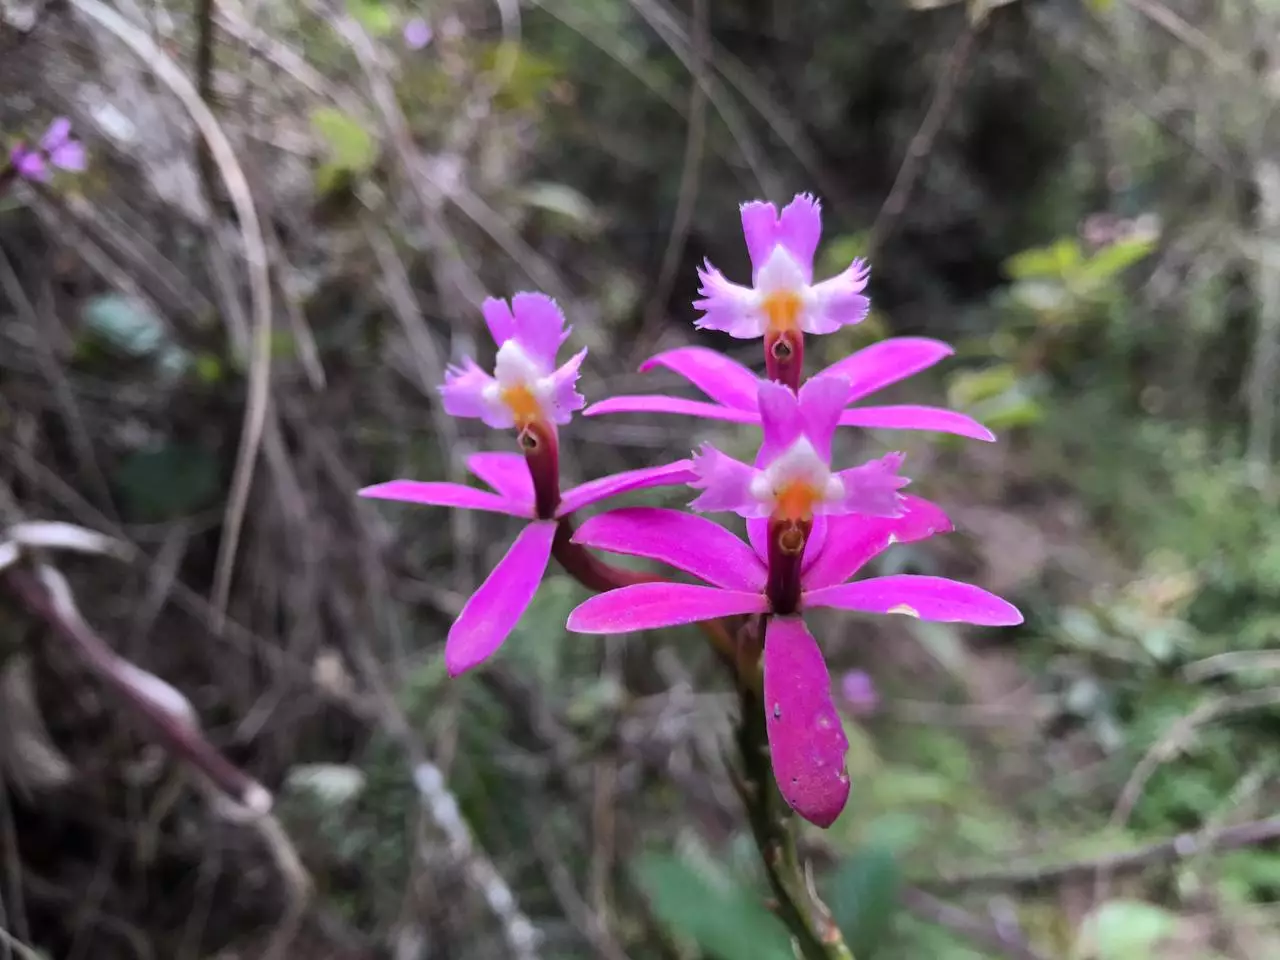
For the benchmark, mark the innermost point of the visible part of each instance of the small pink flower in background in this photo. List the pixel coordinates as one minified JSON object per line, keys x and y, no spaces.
{"x":495,"y":608}
{"x":806,"y":739}
{"x":732,"y":388}
{"x":782,"y":297}
{"x":417,"y":33}
{"x":526,"y":388}
{"x":792,"y":479}
{"x":56,"y":148}
{"x":858,"y":691}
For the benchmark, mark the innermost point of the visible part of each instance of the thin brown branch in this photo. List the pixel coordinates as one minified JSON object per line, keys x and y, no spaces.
{"x":925,"y":906}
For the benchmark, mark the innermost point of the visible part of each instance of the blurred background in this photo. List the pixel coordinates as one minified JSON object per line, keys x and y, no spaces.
{"x":204,"y":354}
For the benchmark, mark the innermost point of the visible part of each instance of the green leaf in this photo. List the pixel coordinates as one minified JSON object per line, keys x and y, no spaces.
{"x":1111,"y":261}
{"x":725,"y":922}
{"x":375,"y":17}
{"x":172,"y":480}
{"x":348,"y":145}
{"x":1125,"y":930}
{"x":973,"y":386}
{"x":863,"y":895}
{"x":1045,"y":263}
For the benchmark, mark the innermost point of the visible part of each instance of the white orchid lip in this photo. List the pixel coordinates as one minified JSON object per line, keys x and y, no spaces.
{"x":520,"y":385}
{"x":795,"y":482}
{"x":782,"y":293}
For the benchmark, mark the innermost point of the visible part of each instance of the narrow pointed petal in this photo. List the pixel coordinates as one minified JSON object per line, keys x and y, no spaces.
{"x":585,"y":494}
{"x":690,"y":543}
{"x":760,"y":229}
{"x":445,"y":495}
{"x":647,"y":606}
{"x":758,"y":534}
{"x":565,"y":399}
{"x":781,"y":420}
{"x":913,"y":417}
{"x":822,"y":400}
{"x":839,"y":302}
{"x":540,"y":326}
{"x":505,"y":472}
{"x":491,"y":614}
{"x":656,"y":403}
{"x":853,"y":541}
{"x":927,"y":598}
{"x":872,"y":489}
{"x":725,"y":484}
{"x":497,"y":316}
{"x":875,"y":367}
{"x":726,"y":306}
{"x":799,"y":230}
{"x":807,"y":741}
{"x":466,"y":394}
{"x":723,"y":380}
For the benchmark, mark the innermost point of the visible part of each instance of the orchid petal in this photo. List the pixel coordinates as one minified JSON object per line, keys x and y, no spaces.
{"x":760,"y":230}
{"x":689,"y":543}
{"x":565,"y":398}
{"x":29,"y":163}
{"x":822,"y":399}
{"x":656,"y":403}
{"x":725,"y":484}
{"x":723,"y":380}
{"x":875,"y":367}
{"x":505,"y":472}
{"x":781,"y":420}
{"x":465,"y":393}
{"x":807,"y":741}
{"x":540,"y":326}
{"x":69,"y":156}
{"x":493,"y":611}
{"x":913,"y":417}
{"x":758,"y":534}
{"x":839,"y":302}
{"x":927,"y":598}
{"x":872,"y":488}
{"x":593,"y":491}
{"x":647,"y":606}
{"x":498,"y":317}
{"x":799,"y":229}
{"x":853,"y":541}
{"x":726,"y":306}
{"x":56,"y":135}
{"x":445,"y":495}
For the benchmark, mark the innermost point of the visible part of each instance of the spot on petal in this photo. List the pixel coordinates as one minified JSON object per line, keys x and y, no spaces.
{"x":906,"y":610}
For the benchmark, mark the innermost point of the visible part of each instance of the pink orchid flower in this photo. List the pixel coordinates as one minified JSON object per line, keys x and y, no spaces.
{"x":731,"y":388}
{"x":806,"y":739}
{"x":56,"y":147}
{"x":526,"y":389}
{"x":792,"y":480}
{"x":493,"y":611}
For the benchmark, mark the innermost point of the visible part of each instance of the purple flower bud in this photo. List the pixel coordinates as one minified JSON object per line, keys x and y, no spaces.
{"x":858,"y":691}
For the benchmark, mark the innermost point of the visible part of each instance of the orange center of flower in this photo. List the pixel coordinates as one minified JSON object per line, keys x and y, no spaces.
{"x":523,"y":405}
{"x":795,"y":502}
{"x":783,"y":310}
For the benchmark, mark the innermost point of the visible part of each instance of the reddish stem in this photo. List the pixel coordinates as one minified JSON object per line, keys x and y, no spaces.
{"x":542,"y":455}
{"x":787,"y":539}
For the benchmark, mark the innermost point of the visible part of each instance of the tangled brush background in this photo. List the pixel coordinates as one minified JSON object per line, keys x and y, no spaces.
{"x":226,"y":725}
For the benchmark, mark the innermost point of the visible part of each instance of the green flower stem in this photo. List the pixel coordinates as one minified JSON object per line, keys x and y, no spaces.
{"x":773,"y":823}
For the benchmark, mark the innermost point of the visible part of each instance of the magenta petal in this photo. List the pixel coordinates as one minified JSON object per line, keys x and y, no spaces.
{"x":872,"y":489}
{"x":497,"y":315}
{"x":656,"y":403}
{"x":445,"y":495}
{"x":875,"y":367}
{"x":806,"y":738}
{"x":583,"y":495}
{"x":852,"y":541}
{"x":724,"y":484}
{"x":723,"y":380}
{"x":491,"y":614}
{"x":927,"y":598}
{"x":540,"y":326}
{"x":799,"y":230}
{"x":687,"y":542}
{"x":781,"y":420}
{"x":912,"y":417}
{"x":58,"y":133}
{"x":759,"y":228}
{"x":566,"y":399}
{"x":647,"y":606}
{"x":822,"y":400}
{"x":505,"y":472}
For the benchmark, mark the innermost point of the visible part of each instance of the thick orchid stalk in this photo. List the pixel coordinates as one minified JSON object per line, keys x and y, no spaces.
{"x":810,"y":528}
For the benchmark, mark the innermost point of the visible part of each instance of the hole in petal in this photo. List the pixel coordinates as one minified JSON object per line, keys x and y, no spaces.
{"x":777,"y":711}
{"x":529,"y":439}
